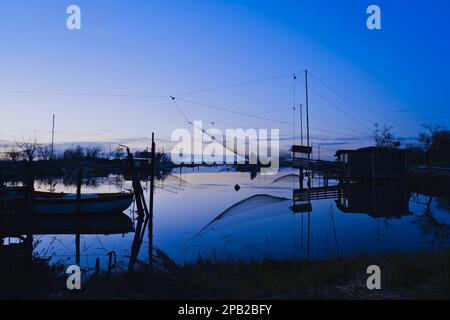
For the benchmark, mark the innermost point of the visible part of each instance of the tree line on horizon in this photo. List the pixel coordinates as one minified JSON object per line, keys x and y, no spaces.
{"x":432,"y":145}
{"x":31,"y":150}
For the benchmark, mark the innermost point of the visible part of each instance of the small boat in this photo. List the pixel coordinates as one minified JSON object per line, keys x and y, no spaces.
{"x":46,"y":203}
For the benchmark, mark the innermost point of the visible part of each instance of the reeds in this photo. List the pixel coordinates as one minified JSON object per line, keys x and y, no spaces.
{"x":404,"y":276}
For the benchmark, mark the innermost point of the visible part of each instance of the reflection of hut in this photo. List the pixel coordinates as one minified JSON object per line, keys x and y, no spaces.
{"x":376,"y":201}
{"x":373,"y":163}
{"x":13,"y":249}
{"x":142,"y":160}
{"x":17,"y":225}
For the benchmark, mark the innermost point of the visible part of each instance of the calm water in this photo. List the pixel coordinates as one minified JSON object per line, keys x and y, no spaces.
{"x":201,"y":214}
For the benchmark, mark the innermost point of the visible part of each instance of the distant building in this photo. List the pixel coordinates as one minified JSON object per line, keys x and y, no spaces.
{"x":373,"y":163}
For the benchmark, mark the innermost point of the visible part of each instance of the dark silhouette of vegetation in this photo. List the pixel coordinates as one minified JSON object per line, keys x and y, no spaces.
{"x":79,"y":153}
{"x":93,"y":152}
{"x":45,"y":153}
{"x":13,"y":154}
{"x":26,"y":276}
{"x":415,"y":276}
{"x":28,"y":148}
{"x":431,"y":226}
{"x":118,"y":153}
{"x":435,"y":140}
{"x":384,"y":137}
{"x":74,"y":154}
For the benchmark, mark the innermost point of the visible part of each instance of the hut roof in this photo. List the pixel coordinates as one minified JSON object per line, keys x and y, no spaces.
{"x":370,"y":150}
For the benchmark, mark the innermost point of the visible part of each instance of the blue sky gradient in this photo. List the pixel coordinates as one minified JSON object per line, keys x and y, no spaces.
{"x":110,"y":81}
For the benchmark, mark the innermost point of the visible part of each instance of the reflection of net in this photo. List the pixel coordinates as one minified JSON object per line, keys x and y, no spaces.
{"x":173,"y":178}
{"x":244,"y":211}
{"x":286,"y":178}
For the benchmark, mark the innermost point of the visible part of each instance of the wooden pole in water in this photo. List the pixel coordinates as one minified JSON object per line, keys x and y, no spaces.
{"x":152,"y":188}
{"x":138,"y":192}
{"x":97,"y":267}
{"x":79,"y":178}
{"x":30,"y":183}
{"x":78,"y":236}
{"x":78,"y":251}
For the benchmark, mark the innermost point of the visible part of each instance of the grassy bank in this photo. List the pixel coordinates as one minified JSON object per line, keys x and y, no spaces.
{"x":422,"y":276}
{"x":29,"y":278}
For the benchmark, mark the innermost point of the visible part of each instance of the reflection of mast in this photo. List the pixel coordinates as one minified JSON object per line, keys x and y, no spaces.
{"x":302,"y":231}
{"x":309,"y":235}
{"x":29,"y":254}
{"x":77,"y":236}
{"x":309,"y":162}
{"x":151,"y":203}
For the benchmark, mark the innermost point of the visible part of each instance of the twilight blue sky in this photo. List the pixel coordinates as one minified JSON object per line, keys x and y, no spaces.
{"x":109,"y":82}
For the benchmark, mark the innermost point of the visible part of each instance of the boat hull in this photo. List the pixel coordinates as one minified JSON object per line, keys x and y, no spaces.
{"x":117,"y":203}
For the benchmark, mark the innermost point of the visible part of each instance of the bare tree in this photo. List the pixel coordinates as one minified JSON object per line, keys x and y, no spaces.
{"x":28,"y":148}
{"x":435,"y":137}
{"x":384,"y":137}
{"x":45,"y":152}
{"x":93,"y":152}
{"x":74,"y":154}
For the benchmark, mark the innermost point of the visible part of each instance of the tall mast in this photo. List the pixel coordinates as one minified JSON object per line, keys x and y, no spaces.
{"x":307,"y":108}
{"x":301,"y":124}
{"x":53,"y":138}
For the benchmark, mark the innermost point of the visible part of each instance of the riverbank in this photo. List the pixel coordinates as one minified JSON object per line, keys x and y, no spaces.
{"x":415,"y":276}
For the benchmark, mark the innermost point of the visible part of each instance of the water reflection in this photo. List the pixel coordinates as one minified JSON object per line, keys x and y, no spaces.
{"x":105,"y":224}
{"x":322,"y":221}
{"x":17,"y":230}
{"x":385,"y":201}
{"x":431,"y":225}
{"x":201,"y":214}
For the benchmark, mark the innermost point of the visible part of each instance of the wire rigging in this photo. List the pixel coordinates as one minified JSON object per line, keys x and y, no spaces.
{"x":86,"y":94}
{"x":239,"y":84}
{"x":323,"y":97}
{"x":255,"y":116}
{"x":205,"y":131}
{"x":346,"y":97}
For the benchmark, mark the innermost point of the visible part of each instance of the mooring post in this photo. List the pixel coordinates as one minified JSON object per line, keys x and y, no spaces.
{"x":78,"y":251}
{"x":111,"y":264}
{"x":97,"y":267}
{"x":79,"y":182}
{"x":30,"y":185}
{"x":138,"y":192}
{"x":2,"y":182}
{"x":78,"y":235}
